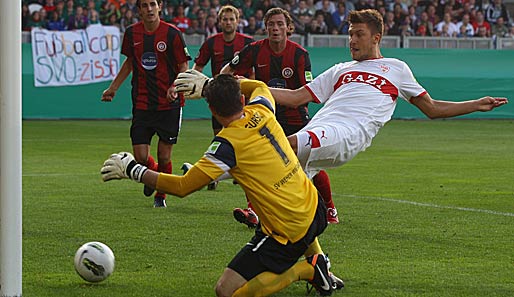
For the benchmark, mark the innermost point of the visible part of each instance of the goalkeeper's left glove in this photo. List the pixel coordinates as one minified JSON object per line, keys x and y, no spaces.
{"x":191,"y":83}
{"x":122,"y":165}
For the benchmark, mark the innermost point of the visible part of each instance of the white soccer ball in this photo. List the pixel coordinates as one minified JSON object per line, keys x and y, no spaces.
{"x":94,"y":261}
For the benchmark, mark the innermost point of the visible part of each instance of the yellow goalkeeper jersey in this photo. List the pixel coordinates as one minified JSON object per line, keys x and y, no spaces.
{"x":256,"y":152}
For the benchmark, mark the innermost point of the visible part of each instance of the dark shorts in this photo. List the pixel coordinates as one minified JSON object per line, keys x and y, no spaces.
{"x":263,"y":253}
{"x":215,"y":124}
{"x":145,"y":124}
{"x":291,"y":129}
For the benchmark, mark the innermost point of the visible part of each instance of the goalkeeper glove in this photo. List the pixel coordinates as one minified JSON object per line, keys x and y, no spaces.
{"x":122,"y":165}
{"x":191,"y":83}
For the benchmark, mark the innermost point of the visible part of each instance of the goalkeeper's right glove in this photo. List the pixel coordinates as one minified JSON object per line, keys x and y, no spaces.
{"x":122,"y":165}
{"x":191,"y":83}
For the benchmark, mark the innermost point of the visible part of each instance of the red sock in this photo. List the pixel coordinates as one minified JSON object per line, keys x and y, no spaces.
{"x":249,"y":203}
{"x":322,"y":183}
{"x":166,"y":168}
{"x":150,"y":163}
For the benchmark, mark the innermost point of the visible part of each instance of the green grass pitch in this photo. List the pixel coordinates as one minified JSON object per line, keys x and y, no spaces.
{"x":427,"y":210}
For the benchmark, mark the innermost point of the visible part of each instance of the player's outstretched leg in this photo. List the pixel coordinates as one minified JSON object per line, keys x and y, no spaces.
{"x":322,"y":183}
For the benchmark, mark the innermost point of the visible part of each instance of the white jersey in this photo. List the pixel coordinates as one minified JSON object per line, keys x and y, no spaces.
{"x":359,"y":97}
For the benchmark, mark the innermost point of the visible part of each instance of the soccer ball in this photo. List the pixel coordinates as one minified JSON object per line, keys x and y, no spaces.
{"x":94,"y":261}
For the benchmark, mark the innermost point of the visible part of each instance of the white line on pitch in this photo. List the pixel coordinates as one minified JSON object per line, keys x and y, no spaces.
{"x":507,"y":214}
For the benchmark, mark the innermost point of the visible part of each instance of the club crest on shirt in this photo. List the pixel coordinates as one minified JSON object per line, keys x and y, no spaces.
{"x":161,"y":46}
{"x":287,"y":72}
{"x":384,"y":68}
{"x":149,"y":61}
{"x":213,"y":147}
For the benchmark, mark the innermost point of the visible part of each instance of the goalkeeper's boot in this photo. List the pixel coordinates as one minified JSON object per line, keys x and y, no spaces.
{"x":212,"y":185}
{"x":332,"y":217}
{"x":246,"y":216}
{"x":159,"y":200}
{"x":321,"y":281}
{"x":337,"y":283}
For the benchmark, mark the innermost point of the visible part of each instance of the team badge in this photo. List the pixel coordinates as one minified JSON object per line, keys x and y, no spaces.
{"x":161,"y":46}
{"x":213,"y":148}
{"x":149,"y":61}
{"x":384,"y":68}
{"x":287,"y":72}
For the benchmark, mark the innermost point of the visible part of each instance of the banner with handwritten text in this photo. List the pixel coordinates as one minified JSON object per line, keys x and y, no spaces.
{"x":63,"y":58}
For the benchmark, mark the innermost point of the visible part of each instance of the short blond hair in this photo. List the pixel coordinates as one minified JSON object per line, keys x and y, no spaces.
{"x":228,"y":8}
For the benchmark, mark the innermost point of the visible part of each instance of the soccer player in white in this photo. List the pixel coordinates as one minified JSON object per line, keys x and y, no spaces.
{"x":360,"y":97}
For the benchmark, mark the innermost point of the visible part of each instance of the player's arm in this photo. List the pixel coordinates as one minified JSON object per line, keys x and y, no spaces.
{"x":180,"y":186}
{"x":253,"y":88}
{"x":122,"y":165}
{"x":292,"y":98}
{"x":444,"y":109}
{"x":124,"y":72}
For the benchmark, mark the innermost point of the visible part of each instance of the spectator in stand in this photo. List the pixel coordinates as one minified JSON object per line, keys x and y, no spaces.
{"x":263,"y":5}
{"x":326,"y":22}
{"x":325,"y":5}
{"x":25,"y":17}
{"x":511,"y":32}
{"x":91,"y":9}
{"x":318,"y":24}
{"x":413,"y":16}
{"x":169,"y":13}
{"x":403,"y":7}
{"x":43,"y":15}
{"x":456,"y":9}
{"x":49,"y":5}
{"x":432,"y":15}
{"x":180,"y":20}
{"x":390,"y":26}
{"x":242,"y":21}
{"x":469,"y":31}
{"x":495,"y":10}
{"x":482,"y":33}
{"x":248,"y":9}
{"x":131,"y":5}
{"x":94,"y":17}
{"x":424,"y":27}
{"x":340,"y":19}
{"x":127,"y":20}
{"x":479,"y":23}
{"x":252,"y":28}
{"x":399,"y":13}
{"x":35,"y":21}
{"x":55,"y":23}
{"x":499,"y":29}
{"x":113,"y":21}
{"x":104,"y":13}
{"x":452,"y":29}
{"x":191,"y":11}
{"x":195,"y":28}
{"x":406,"y":27}
{"x":302,"y":10}
{"x":211,"y":27}
{"x":68,"y":11}
{"x":78,"y":20}
{"x":362,"y":4}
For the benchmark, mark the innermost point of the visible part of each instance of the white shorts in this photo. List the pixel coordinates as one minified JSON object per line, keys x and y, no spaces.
{"x":336,"y":147}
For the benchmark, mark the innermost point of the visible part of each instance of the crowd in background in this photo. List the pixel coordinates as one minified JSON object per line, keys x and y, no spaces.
{"x":447,"y":18}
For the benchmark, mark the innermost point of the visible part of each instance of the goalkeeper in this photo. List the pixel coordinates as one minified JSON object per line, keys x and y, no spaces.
{"x":254,"y":150}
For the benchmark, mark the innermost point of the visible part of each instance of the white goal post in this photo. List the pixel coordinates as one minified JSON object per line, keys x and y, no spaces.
{"x":10,"y":150}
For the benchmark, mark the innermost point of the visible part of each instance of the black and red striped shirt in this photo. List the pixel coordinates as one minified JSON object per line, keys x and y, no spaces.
{"x":288,"y":69}
{"x":155,"y":58}
{"x":220,"y":52}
